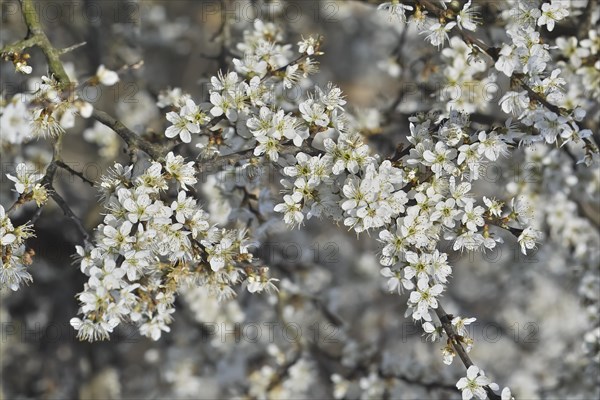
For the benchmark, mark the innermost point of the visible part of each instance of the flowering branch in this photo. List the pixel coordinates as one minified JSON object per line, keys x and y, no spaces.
{"x":494,"y":54}
{"x":37,"y":37}
{"x":455,"y":339}
{"x":156,"y":241}
{"x":47,"y":182}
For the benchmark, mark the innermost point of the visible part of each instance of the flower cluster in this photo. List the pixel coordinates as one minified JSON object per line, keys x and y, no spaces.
{"x":27,"y":184}
{"x":19,"y":60}
{"x":15,"y":255}
{"x":474,"y":384}
{"x":414,"y":203}
{"x":187,"y":121}
{"x":271,"y":128}
{"x":464,"y":88}
{"x":54,"y":109}
{"x":147,"y":250}
{"x":527,"y":61}
{"x":412,"y":210}
{"x":435,"y":29}
{"x":244,"y":97}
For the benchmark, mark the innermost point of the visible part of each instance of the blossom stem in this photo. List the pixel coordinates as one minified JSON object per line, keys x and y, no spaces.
{"x":446,"y":322}
{"x":47,"y":182}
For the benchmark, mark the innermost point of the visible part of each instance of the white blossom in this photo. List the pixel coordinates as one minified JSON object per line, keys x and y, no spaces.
{"x":552,"y":12}
{"x":528,"y":239}
{"x":473,"y":384}
{"x":106,"y":76}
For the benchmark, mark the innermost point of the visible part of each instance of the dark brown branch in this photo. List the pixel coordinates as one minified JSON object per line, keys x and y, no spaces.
{"x":538,"y":97}
{"x":455,"y":339}
{"x":282,"y":372}
{"x":69,"y":213}
{"x":73,"y":172}
{"x":36,"y":215}
{"x":133,"y":140}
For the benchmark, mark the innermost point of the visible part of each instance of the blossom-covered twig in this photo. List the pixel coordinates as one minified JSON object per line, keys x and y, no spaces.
{"x":156,"y":240}
{"x":455,"y":340}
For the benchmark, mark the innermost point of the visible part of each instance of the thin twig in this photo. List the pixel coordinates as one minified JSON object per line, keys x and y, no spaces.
{"x":73,"y":172}
{"x":36,"y":215}
{"x":70,"y":214}
{"x":71,"y":48}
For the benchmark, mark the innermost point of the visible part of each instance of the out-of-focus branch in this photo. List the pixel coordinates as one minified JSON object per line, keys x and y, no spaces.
{"x":433,"y":385}
{"x":586,"y":26}
{"x":320,"y":354}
